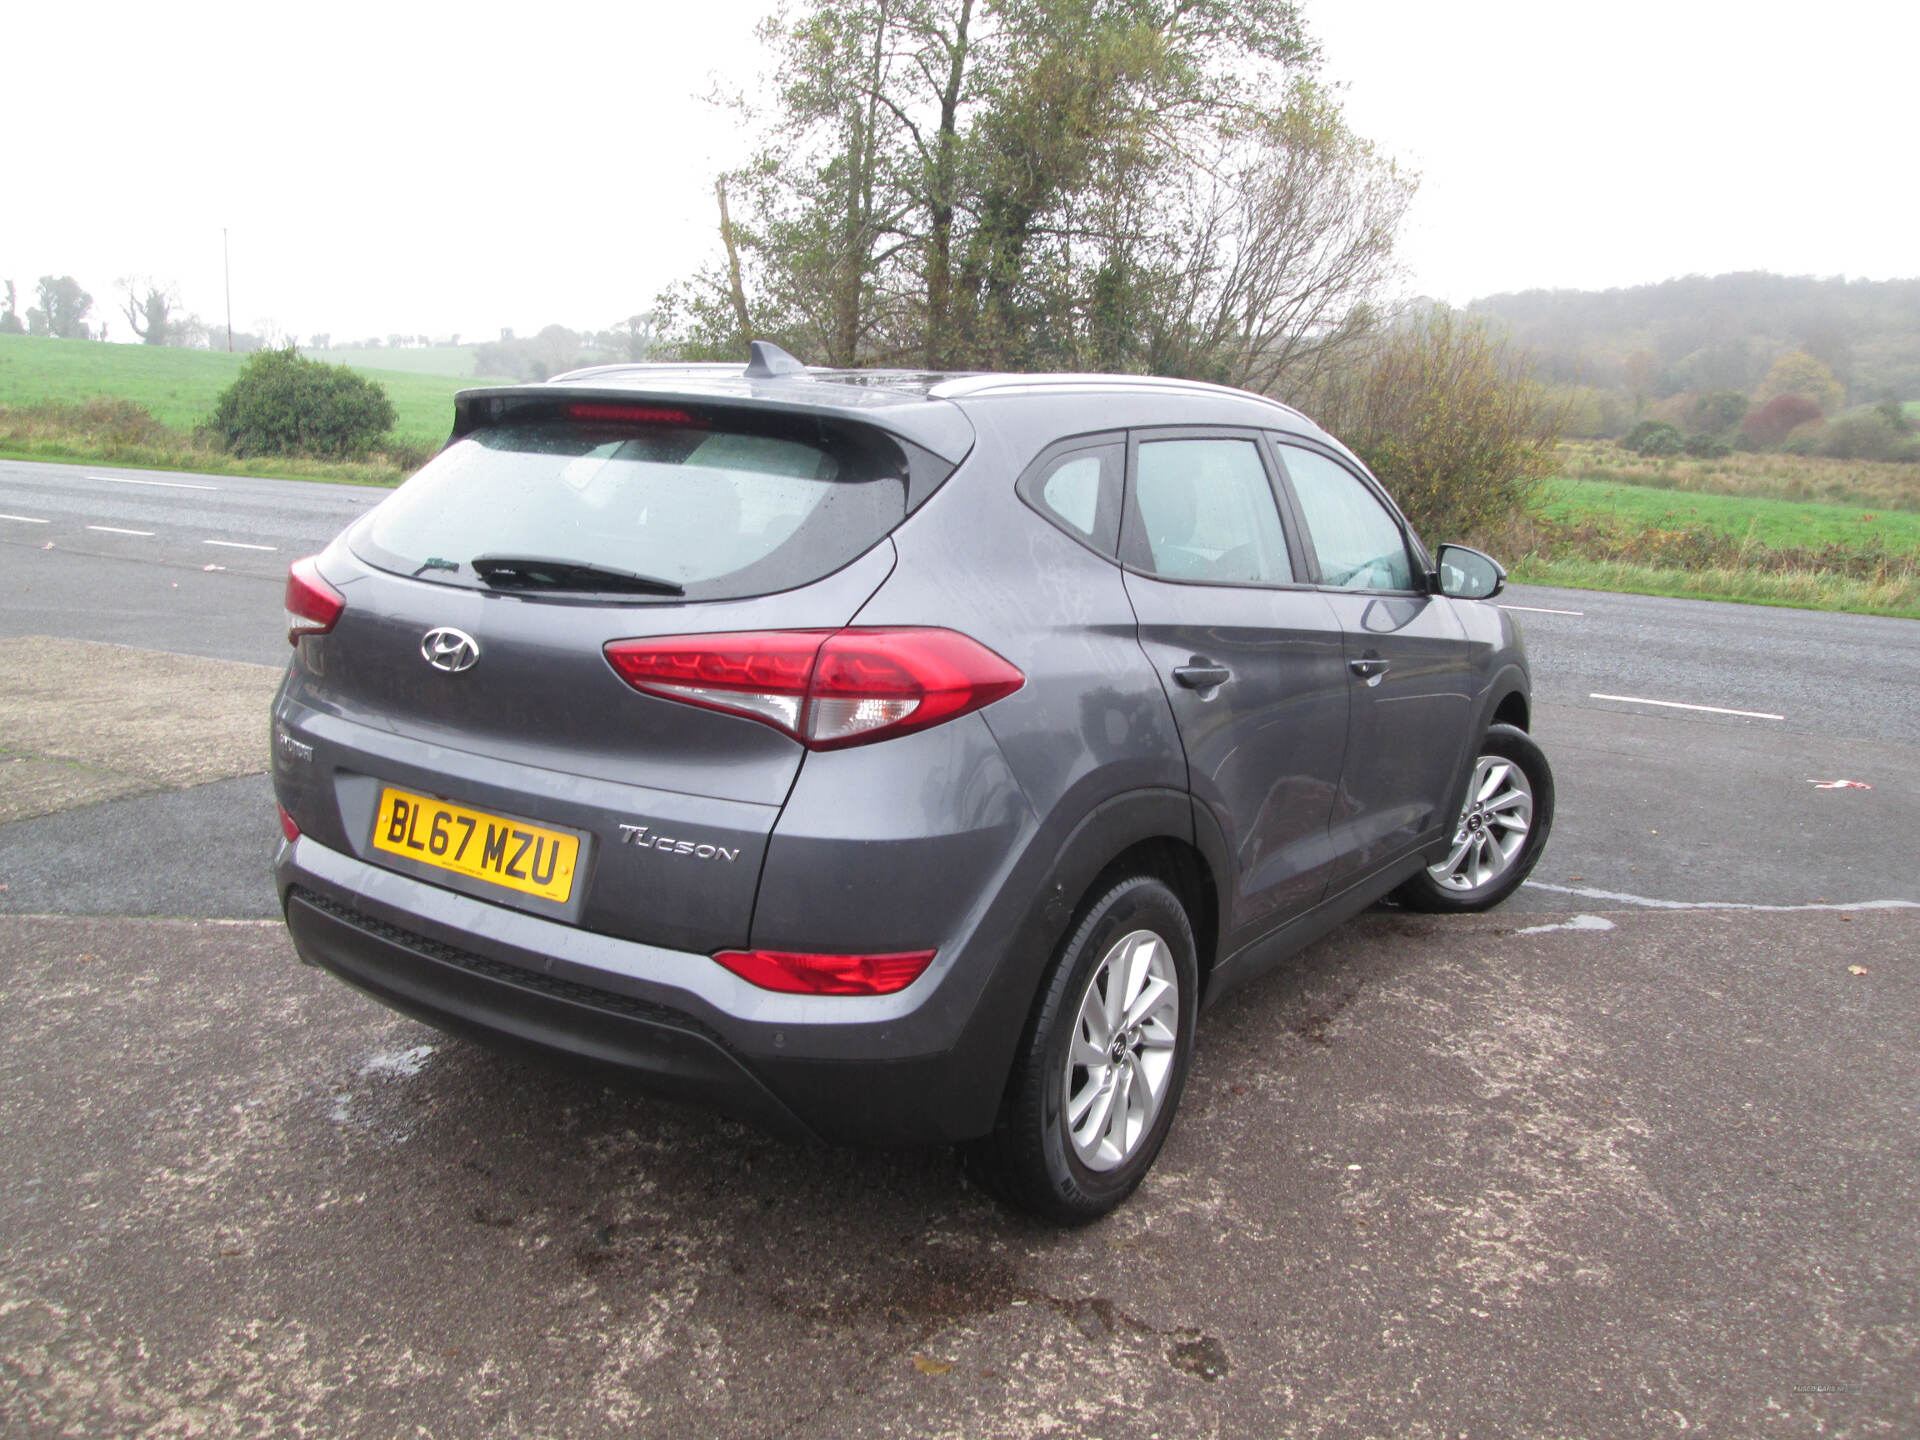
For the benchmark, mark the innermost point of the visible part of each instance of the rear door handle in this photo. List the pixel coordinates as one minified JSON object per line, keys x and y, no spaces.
{"x":1371,"y":668}
{"x":1201,"y":677}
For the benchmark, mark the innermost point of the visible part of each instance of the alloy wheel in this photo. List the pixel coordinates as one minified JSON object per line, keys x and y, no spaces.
{"x":1493,"y":827}
{"x":1121,"y":1059}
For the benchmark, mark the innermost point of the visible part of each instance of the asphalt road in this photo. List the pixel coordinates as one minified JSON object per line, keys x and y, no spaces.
{"x":194,"y":564}
{"x":1630,"y":1156}
{"x":1657,"y":801}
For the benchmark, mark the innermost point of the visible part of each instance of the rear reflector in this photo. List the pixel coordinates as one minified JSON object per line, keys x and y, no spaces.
{"x":826,"y":688}
{"x":802,"y":973}
{"x":312,"y":604}
{"x":634,"y":415}
{"x":287,"y":826}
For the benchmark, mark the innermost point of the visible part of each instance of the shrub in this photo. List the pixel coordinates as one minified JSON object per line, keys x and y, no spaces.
{"x":1864,"y":435}
{"x":1449,"y":419}
{"x":283,"y":404}
{"x":1702,"y":446}
{"x":1653,"y":437}
{"x":1778,"y":418}
{"x":1719,"y":412}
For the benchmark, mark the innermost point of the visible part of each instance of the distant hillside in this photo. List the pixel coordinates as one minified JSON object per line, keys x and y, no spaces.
{"x":451,"y":360}
{"x":1720,"y":333}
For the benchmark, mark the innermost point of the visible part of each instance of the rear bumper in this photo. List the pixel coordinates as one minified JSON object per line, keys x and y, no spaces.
{"x":496,"y":975}
{"x":466,"y":993}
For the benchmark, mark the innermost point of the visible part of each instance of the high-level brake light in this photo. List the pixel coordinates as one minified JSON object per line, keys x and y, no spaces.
{"x":312,"y":604}
{"x":633,"y":414}
{"x":826,"y":688}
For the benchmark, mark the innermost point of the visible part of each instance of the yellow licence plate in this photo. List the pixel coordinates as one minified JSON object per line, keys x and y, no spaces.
{"x":494,"y":848}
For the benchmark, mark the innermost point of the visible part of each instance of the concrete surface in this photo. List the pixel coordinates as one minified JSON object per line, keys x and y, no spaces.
{"x":1441,"y":1178}
{"x":82,"y":721}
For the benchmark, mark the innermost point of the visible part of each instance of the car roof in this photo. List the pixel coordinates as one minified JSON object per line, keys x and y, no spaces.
{"x":929,"y":408}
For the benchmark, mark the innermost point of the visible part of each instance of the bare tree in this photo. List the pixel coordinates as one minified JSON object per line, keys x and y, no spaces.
{"x":1285,"y":243}
{"x":149,"y":308}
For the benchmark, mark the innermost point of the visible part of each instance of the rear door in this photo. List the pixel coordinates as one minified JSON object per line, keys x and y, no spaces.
{"x":464,"y":694}
{"x":1251,"y":658}
{"x":1407,"y":663}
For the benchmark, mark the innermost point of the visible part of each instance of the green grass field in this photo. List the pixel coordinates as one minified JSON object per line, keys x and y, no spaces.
{"x":179,"y":387}
{"x":1778,"y":524}
{"x":1655,"y":539}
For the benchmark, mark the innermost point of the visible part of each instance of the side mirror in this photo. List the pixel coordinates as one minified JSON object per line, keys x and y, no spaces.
{"x":1467,"y":574}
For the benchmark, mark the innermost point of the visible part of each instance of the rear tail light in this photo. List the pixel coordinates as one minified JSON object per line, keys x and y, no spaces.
{"x":288,"y":826}
{"x":803,"y":973}
{"x":826,"y":688}
{"x":312,"y":604}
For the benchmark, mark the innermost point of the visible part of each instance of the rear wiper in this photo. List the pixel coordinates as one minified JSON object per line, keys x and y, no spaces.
{"x":533,"y":572}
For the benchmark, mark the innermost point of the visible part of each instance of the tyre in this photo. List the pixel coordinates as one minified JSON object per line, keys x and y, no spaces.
{"x":1500,"y":832}
{"x":1099,"y":1075}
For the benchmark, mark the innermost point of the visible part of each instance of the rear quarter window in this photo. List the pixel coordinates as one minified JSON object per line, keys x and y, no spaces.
{"x":722,"y":507}
{"x":1076,"y":485}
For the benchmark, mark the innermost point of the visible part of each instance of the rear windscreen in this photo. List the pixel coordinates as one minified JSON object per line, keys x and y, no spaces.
{"x":718,"y":507}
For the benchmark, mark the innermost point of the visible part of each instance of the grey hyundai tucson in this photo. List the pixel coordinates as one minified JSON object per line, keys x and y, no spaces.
{"x":884,"y":757}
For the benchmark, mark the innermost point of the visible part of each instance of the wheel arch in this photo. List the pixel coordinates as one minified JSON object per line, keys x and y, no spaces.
{"x":1507,"y":696}
{"x":1148,"y":832}
{"x":1513,"y":708}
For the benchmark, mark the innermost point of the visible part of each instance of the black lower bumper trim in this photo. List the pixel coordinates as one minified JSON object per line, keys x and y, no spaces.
{"x":453,"y":989}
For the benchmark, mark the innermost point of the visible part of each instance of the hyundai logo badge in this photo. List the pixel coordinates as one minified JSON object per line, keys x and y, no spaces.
{"x":449,"y":649}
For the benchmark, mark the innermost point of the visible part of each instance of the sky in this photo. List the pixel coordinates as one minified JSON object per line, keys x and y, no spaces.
{"x":435,"y":169}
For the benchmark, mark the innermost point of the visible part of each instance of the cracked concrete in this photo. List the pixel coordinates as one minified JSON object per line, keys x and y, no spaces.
{"x":1436,"y":1178}
{"x":82,"y":722}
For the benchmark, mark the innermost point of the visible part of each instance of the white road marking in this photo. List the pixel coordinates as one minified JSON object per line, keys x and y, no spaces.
{"x":239,"y":545}
{"x":1542,"y":610}
{"x":161,"y":484}
{"x":1681,"y":705}
{"x":1578,"y":922}
{"x":1588,"y":893}
{"x":116,"y":530}
{"x":24,"y":519}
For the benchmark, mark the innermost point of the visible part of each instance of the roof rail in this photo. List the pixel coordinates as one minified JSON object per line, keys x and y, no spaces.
{"x":982,"y":384}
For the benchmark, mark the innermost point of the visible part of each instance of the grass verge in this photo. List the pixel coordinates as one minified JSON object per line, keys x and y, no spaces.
{"x":1801,"y":589}
{"x":121,"y":433}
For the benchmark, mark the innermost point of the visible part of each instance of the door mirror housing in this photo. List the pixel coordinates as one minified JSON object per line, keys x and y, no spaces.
{"x":1466,"y":574}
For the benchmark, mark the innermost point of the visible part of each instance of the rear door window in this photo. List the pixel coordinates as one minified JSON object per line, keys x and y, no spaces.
{"x":713,"y":507}
{"x":1203,"y":509}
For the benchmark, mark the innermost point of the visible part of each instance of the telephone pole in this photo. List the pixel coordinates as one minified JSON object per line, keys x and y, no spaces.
{"x":226,"y":267}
